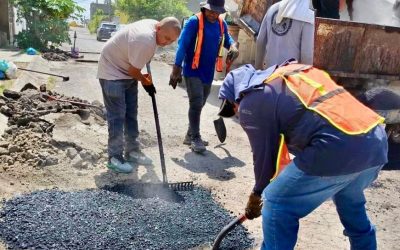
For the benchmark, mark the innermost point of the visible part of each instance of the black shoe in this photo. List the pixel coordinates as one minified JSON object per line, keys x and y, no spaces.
{"x":188,"y":140}
{"x":197,"y":145}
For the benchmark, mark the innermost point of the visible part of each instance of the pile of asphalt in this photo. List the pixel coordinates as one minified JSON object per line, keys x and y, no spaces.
{"x":102,"y":219}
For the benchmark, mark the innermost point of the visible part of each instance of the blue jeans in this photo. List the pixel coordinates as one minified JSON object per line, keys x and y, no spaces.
{"x":121,"y":103}
{"x":294,"y":194}
{"x":198,"y":93}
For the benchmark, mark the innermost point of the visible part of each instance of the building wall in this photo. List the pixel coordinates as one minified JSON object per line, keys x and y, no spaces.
{"x":105,"y":7}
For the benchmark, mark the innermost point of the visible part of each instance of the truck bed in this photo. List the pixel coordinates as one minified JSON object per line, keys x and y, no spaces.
{"x":357,"y":50}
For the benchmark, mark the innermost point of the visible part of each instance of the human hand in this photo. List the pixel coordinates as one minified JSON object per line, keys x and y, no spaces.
{"x":175,"y":76}
{"x":233,"y":53}
{"x":150,"y":89}
{"x":147,"y":80}
{"x":253,"y":207}
{"x":148,"y":85}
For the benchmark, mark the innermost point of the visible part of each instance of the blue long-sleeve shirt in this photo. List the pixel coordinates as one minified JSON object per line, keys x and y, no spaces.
{"x":209,"y":50}
{"x":320,"y":149}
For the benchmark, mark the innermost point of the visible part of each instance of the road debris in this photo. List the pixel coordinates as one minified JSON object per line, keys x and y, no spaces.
{"x":28,"y":140}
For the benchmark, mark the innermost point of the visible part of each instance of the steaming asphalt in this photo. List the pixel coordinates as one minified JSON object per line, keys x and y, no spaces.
{"x":101,"y":219}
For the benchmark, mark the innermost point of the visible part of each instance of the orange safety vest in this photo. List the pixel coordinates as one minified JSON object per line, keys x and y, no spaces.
{"x":199,"y":42}
{"x":319,"y":93}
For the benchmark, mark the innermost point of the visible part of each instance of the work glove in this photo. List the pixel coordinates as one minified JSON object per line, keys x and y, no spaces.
{"x":233,"y":53}
{"x":176,"y":76}
{"x":150,"y":89}
{"x":148,"y":85}
{"x":254,"y":205}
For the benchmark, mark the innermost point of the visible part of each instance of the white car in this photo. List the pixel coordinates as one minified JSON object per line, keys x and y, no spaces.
{"x":119,"y":27}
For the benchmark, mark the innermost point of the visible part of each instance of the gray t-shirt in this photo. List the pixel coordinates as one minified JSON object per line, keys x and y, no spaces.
{"x":135,"y":45}
{"x":278,"y":42}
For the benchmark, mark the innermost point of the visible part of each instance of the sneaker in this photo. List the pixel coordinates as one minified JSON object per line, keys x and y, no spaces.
{"x":197,"y":145}
{"x":139,"y":158}
{"x":118,"y":164}
{"x":188,"y":140}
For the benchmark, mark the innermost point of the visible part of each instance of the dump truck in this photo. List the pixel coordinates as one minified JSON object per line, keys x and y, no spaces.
{"x":363,"y":57}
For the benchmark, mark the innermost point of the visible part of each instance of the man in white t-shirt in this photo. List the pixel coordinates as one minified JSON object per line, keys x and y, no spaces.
{"x":119,"y":71}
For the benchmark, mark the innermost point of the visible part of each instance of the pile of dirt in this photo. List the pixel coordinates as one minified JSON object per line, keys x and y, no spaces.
{"x":94,"y":219}
{"x":55,"y":54}
{"x":28,"y":140}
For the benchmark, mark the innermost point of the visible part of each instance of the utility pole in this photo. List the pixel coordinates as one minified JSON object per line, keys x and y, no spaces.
{"x":108,"y":3}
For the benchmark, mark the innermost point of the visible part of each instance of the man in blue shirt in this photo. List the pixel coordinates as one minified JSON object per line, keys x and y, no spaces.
{"x":328,"y":163}
{"x":199,"y":52}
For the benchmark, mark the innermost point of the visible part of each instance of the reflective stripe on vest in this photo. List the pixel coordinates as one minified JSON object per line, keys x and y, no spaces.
{"x":199,"y":43}
{"x":283,"y":158}
{"x":319,"y":93}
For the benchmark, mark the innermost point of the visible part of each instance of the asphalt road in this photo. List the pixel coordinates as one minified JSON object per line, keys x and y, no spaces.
{"x":85,"y":41}
{"x":83,"y":82}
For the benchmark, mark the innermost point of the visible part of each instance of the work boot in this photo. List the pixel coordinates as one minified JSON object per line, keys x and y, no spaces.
{"x":139,"y":158}
{"x":197,"y":145}
{"x":118,"y":165}
{"x":188,"y":140}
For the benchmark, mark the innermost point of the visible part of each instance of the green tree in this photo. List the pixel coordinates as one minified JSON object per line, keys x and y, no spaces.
{"x":46,"y":21}
{"x":154,"y":9}
{"x":97,"y":18}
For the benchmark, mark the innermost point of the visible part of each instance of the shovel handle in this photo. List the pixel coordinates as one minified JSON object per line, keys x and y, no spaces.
{"x":65,"y":78}
{"x":237,"y":221}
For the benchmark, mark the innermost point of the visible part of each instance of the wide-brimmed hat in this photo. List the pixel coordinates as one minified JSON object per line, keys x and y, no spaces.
{"x":214,"y":5}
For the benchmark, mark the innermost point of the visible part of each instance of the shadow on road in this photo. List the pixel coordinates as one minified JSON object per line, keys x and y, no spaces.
{"x":216,"y":168}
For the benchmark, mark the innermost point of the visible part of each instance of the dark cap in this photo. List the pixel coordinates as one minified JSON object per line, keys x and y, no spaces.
{"x":214,"y":5}
{"x":227,"y":109}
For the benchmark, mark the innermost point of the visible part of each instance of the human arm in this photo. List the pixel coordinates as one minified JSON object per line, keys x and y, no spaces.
{"x":255,"y":110}
{"x":231,"y":45}
{"x":187,"y":35}
{"x":140,"y":52}
{"x":307,"y":44}
{"x":257,"y":114}
{"x":137,"y":74}
{"x":261,"y":44}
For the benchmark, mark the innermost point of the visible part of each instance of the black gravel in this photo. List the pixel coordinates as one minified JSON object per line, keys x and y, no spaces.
{"x":102,"y":219}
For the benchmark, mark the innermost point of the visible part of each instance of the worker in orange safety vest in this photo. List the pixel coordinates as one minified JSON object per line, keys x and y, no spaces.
{"x":338,"y":144}
{"x":200,"y":47}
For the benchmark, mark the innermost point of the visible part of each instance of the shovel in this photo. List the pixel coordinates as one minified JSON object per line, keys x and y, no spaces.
{"x":220,"y":128}
{"x":228,"y":228}
{"x":65,"y":78}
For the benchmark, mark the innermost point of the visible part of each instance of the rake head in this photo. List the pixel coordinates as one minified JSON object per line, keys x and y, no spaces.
{"x":181,"y":186}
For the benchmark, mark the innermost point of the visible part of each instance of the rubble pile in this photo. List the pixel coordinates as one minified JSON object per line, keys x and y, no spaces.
{"x":55,"y":54}
{"x":99,"y":219}
{"x":28,"y":140}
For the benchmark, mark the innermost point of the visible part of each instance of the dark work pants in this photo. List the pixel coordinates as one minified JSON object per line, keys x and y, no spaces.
{"x":198,"y":93}
{"x":121,"y":103}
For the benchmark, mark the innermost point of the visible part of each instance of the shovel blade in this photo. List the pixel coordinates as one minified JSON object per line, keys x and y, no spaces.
{"x":220,"y":128}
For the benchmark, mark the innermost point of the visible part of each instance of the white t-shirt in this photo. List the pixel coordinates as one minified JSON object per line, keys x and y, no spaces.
{"x":134,"y":45}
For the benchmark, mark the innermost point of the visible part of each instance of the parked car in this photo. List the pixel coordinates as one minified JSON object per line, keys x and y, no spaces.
{"x":119,"y":27}
{"x":105,"y":30}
